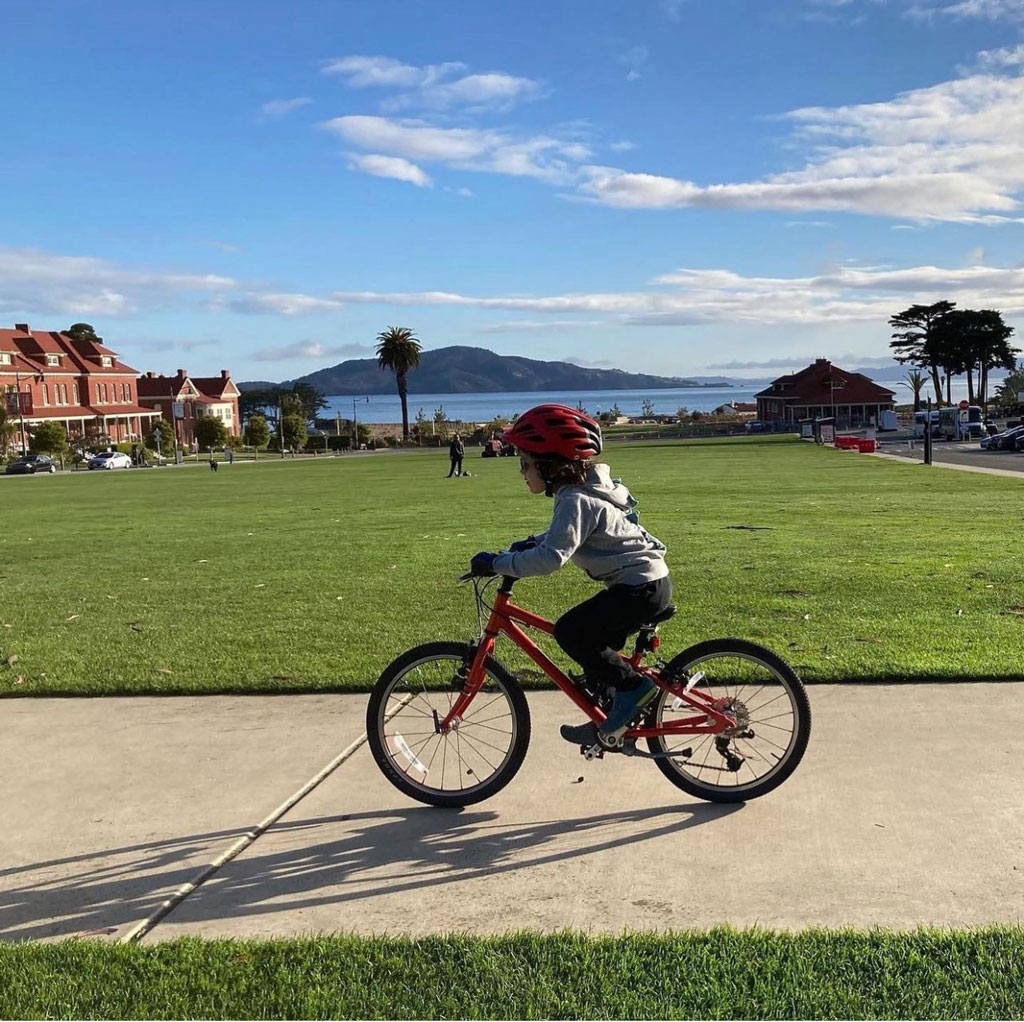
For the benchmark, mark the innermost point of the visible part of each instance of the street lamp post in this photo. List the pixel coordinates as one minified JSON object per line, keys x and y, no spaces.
{"x":21,"y":410}
{"x":355,"y":425}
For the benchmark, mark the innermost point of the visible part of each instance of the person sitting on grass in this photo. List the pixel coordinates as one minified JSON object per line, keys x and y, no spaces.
{"x":593,"y":525}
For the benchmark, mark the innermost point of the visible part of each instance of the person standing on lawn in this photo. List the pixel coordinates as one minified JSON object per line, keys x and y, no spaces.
{"x":456,"y":452}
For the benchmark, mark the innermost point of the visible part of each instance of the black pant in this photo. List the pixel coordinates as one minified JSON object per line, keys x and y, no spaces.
{"x":593,"y":632}
{"x":456,"y":466}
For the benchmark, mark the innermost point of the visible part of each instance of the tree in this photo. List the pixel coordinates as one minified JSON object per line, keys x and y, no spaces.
{"x":262,"y":401}
{"x":295,"y":434}
{"x":399,"y":351}
{"x":49,"y":438}
{"x":1013,"y":385}
{"x":682,"y":411}
{"x":83,"y":332}
{"x":440,"y":421}
{"x":257,"y":432}
{"x":647,"y":408}
{"x":8,"y":435}
{"x":910,"y":339}
{"x":166,"y":444}
{"x":310,"y":400}
{"x":916,"y":381}
{"x":210,"y":432}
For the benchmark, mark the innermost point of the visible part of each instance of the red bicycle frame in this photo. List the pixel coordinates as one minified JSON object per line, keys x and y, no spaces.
{"x":503,"y":621}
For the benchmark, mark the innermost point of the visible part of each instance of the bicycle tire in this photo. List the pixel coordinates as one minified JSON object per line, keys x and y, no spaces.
{"x":681,"y":772}
{"x":377,"y":734}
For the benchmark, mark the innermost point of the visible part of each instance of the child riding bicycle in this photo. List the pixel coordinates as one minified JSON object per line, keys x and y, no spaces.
{"x":593,"y":525}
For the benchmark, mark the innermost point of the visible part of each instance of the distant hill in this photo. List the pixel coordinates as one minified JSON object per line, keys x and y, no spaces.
{"x":465,"y":370}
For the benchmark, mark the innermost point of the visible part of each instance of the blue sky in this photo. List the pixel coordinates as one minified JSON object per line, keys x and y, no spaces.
{"x":673,"y":186}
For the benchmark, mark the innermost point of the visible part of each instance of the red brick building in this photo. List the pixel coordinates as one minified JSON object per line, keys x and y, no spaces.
{"x":47,"y":376}
{"x":192,"y":397}
{"x":823,"y":390}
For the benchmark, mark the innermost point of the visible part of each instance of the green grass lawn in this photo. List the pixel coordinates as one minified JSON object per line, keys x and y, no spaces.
{"x":719,"y":974}
{"x":314,"y":574}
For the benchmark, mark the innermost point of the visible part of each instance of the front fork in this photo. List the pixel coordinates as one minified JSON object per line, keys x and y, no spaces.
{"x":471,"y":678}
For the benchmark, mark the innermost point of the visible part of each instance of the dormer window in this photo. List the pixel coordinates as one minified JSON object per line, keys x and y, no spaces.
{"x":5,"y":358}
{"x":105,"y":360}
{"x":53,"y":360}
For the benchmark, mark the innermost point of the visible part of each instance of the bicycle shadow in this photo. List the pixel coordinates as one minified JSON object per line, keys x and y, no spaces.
{"x":380,"y":852}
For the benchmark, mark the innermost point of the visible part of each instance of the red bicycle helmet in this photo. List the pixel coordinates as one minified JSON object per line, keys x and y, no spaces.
{"x":556,"y":429}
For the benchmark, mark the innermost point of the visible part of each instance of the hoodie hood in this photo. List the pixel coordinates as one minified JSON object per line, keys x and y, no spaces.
{"x":600,"y":484}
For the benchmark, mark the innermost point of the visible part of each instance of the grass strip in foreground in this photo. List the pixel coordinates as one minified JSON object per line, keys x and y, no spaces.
{"x":722,"y":973}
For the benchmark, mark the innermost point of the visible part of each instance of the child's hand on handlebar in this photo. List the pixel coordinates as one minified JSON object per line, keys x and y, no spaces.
{"x":523,"y":544}
{"x":483,"y":564}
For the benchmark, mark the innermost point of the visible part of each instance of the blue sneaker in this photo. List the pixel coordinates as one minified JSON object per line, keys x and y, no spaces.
{"x":627,"y":706}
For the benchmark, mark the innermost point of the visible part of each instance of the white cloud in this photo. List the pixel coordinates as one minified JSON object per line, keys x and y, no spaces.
{"x":807,"y":223}
{"x":672,"y":8}
{"x":32,"y":281}
{"x":312,"y":349}
{"x":991,"y":10}
{"x":634,"y":58}
{"x":281,"y":107}
{"x":436,"y":86}
{"x":390,"y":166}
{"x":516,"y":326}
{"x":495,"y":90}
{"x":702,"y":296}
{"x":953,"y":151}
{"x":621,"y":147}
{"x":541,"y":156}
{"x":360,"y":72}
{"x":260,"y":303}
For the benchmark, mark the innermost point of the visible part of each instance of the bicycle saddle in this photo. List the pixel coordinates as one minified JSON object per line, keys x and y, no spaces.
{"x":659,"y":618}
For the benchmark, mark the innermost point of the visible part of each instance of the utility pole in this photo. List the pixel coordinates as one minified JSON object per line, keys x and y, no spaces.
{"x":280,"y":427}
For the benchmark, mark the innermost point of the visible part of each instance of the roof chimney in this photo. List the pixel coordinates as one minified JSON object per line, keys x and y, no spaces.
{"x":225,"y":374}
{"x":182,"y":374}
{"x":23,"y":327}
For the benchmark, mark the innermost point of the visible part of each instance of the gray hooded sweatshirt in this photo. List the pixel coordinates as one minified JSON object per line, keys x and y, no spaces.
{"x":590,"y":527}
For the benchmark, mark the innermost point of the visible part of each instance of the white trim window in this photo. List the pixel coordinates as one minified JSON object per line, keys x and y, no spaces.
{"x":5,"y":358}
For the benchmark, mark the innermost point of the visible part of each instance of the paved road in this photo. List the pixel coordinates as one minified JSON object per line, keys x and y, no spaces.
{"x":905,"y":811}
{"x":956,"y":454}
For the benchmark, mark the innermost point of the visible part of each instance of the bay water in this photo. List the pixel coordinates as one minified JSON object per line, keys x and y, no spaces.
{"x":482,"y":407}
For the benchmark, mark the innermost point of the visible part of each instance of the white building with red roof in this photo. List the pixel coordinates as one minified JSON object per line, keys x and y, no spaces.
{"x":49,"y":376}
{"x":182,"y":399}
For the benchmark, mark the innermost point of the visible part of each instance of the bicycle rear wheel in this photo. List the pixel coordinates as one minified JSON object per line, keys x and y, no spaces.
{"x":470,"y":763}
{"x":773,"y":717}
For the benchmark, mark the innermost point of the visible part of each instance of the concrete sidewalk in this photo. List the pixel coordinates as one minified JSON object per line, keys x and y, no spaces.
{"x":906,"y":810}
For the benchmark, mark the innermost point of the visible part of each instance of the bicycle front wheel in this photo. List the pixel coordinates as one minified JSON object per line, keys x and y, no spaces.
{"x":773,"y":722}
{"x":470,"y":763}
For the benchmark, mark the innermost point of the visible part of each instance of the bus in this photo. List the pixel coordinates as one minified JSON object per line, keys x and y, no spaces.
{"x":957,"y":425}
{"x":920,"y":419}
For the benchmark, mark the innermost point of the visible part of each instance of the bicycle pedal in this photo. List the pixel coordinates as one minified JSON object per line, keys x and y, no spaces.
{"x":595,"y":751}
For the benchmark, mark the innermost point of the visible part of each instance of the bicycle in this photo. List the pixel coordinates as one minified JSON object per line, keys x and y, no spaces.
{"x":463,"y":723}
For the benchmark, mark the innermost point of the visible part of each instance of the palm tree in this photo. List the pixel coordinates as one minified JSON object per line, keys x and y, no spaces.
{"x":916,"y":380}
{"x":399,"y":351}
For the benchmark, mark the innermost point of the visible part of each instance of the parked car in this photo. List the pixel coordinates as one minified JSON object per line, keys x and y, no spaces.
{"x":110,"y":459}
{"x":29,"y":464}
{"x":1018,"y":443}
{"x":1004,"y":441}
